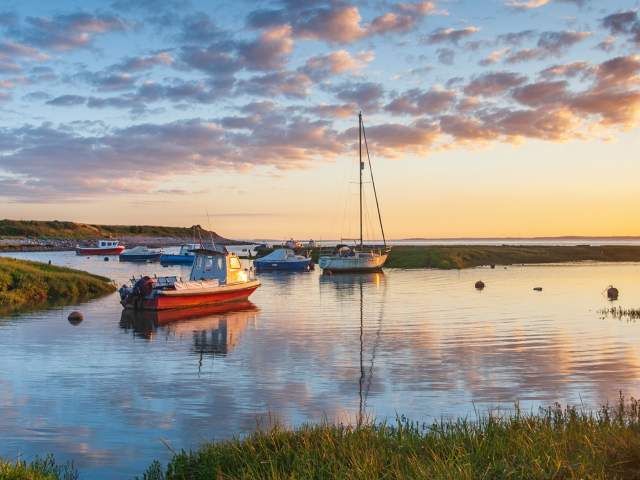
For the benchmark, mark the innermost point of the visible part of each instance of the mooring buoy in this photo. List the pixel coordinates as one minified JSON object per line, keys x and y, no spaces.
{"x":106,"y":259}
{"x":479,"y":285}
{"x":612,"y":293}
{"x":75,"y":318}
{"x":537,"y":289}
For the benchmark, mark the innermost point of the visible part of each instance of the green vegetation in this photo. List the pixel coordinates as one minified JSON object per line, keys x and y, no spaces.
{"x":82,"y":231}
{"x":26,"y":284}
{"x":40,"y":469}
{"x":556,"y":443}
{"x":447,"y":257}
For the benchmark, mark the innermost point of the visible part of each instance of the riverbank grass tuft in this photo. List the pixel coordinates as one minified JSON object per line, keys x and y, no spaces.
{"x":25,"y":284}
{"x":556,"y":443}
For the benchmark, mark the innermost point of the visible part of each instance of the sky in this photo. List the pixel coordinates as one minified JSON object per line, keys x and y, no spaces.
{"x":483,"y":118}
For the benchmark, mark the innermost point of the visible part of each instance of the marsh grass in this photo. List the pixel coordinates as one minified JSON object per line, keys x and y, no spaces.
{"x":628,"y":314}
{"x":556,"y":443}
{"x":25,"y":284}
{"x":40,"y":469}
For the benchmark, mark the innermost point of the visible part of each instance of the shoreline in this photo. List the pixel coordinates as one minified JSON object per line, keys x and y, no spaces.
{"x":27,"y":285}
{"x":556,"y":442}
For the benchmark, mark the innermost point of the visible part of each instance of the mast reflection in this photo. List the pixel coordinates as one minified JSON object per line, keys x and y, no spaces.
{"x":348,"y":285}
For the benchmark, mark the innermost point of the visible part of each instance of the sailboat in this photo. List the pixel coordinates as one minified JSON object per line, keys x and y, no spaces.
{"x":359,"y":259}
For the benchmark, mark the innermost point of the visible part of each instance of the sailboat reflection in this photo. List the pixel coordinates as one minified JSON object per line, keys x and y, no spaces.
{"x":215,"y":329}
{"x":347,"y":285}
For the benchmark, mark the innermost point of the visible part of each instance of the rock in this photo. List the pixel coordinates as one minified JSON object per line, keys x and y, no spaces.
{"x":75,"y":318}
{"x":479,"y":285}
{"x":612,"y":293}
{"x":537,"y":289}
{"x":492,"y":266}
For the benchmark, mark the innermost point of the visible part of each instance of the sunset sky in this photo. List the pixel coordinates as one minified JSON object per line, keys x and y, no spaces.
{"x":484,"y":117}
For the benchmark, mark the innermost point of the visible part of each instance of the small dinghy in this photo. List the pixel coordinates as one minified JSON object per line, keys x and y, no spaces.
{"x":184,"y":257}
{"x":217,"y":277}
{"x":283,"y":259}
{"x":139,"y":254}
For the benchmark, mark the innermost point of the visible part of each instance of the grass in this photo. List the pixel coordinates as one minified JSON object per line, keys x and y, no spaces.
{"x":40,"y":469}
{"x":629,"y":314}
{"x":448,"y":257}
{"x":556,"y":443}
{"x":25,"y":284}
{"x":81,"y":231}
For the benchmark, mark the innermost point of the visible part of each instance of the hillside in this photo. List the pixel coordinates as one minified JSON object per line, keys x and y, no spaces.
{"x":82,"y":231}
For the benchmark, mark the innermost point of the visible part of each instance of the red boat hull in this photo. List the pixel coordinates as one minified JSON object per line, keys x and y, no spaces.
{"x":99,"y":251}
{"x":171,"y":302}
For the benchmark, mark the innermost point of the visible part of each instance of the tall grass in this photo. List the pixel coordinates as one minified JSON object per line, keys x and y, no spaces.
{"x":25,"y":284}
{"x":629,"y":314}
{"x":556,"y":443}
{"x":40,"y":469}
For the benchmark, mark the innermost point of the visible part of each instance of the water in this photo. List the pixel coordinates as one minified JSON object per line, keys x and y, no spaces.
{"x":112,"y":392}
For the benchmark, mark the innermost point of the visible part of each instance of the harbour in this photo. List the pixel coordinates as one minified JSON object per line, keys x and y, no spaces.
{"x":432,"y":347}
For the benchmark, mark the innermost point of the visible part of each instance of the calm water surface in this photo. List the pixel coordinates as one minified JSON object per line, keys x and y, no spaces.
{"x":112,"y":392}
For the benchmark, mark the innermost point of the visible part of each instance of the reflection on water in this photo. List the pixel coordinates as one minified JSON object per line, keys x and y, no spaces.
{"x":215,"y":329}
{"x":111,"y":391}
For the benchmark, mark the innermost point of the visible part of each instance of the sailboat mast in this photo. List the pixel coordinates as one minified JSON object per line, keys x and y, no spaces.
{"x":361,"y":167}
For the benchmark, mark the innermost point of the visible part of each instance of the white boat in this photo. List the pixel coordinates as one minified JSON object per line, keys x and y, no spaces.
{"x":361,"y":258}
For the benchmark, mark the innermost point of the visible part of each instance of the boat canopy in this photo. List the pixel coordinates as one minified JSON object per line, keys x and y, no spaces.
{"x":280,"y":255}
{"x":108,"y":243}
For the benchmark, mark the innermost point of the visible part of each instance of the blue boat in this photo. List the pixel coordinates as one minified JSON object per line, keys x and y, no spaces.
{"x":283,"y":259}
{"x":184,"y":257}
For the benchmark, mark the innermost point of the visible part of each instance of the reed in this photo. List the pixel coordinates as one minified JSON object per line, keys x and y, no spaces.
{"x":555,"y":443}
{"x":25,"y":284}
{"x":39,"y":469}
{"x":629,"y":314}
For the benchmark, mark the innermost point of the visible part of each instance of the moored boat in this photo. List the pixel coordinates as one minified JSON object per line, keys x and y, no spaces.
{"x":216,"y":277}
{"x":102,"y":247}
{"x":283,"y":259}
{"x":184,"y":257}
{"x":361,"y":258}
{"x":140,"y":254}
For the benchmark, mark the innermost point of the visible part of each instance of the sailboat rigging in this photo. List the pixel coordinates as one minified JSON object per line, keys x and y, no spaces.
{"x":360,"y":259}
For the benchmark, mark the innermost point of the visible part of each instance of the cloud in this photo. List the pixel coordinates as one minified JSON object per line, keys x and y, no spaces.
{"x":366,"y":95}
{"x":446,"y":56}
{"x":11,"y":50}
{"x":532,"y":4}
{"x":269,"y":51}
{"x":494,"y":57}
{"x":45,"y":162}
{"x":549,"y":44}
{"x":141,"y":63}
{"x":70,"y":31}
{"x":284,"y":83}
{"x":67,"y":101}
{"x":320,"y":67}
{"x":569,"y":70}
{"x":493,"y":83}
{"x":450,"y":35}
{"x":623,"y":23}
{"x":391,"y":140}
{"x":418,"y":102}
{"x":340,"y":23}
{"x":541,"y":93}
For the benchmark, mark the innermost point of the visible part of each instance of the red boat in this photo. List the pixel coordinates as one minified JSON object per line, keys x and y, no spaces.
{"x":217,"y":277}
{"x":103,"y":247}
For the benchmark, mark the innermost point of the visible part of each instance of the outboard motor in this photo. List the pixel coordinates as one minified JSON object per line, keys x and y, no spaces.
{"x":134,"y":296}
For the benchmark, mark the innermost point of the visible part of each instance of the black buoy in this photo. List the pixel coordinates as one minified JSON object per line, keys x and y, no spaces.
{"x":537,"y":289}
{"x":106,"y":259}
{"x":479,"y":285}
{"x":75,"y":318}
{"x":612,"y":293}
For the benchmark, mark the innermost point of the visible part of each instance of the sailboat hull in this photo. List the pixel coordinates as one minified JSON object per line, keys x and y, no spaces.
{"x":358,"y":263}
